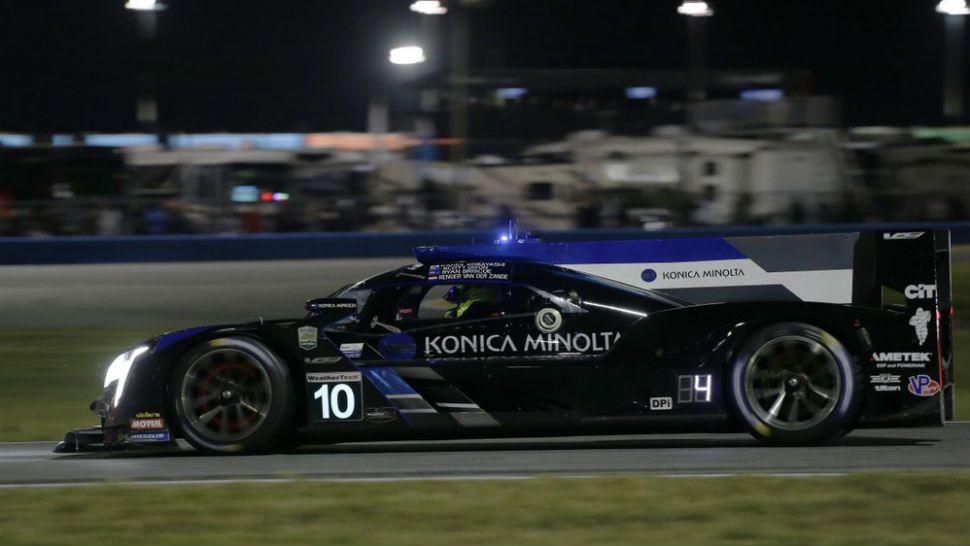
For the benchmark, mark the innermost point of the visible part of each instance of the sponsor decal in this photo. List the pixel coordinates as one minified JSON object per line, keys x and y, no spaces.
{"x":902,"y":235}
{"x":888,"y":388}
{"x":920,"y":292}
{"x":147,"y":414}
{"x":504,"y":343}
{"x":335,"y":396}
{"x":548,"y":320}
{"x":661,"y":403}
{"x":352,"y":350}
{"x":154,"y":423}
{"x":884,"y":379}
{"x":710,"y":273}
{"x":649,"y":275}
{"x":918,"y":321}
{"x":380,"y":415}
{"x":150,"y":436}
{"x":335,"y":305}
{"x":923,"y":385}
{"x":897,"y":360}
{"x":322,"y":360}
{"x":332,"y":377}
{"x":478,"y":271}
{"x":307,"y":337}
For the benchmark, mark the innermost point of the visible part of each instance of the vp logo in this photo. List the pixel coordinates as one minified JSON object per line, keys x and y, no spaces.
{"x":920,"y":292}
{"x":923,"y":385}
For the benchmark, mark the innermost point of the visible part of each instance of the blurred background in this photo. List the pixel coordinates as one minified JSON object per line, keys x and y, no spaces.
{"x":394,"y":115}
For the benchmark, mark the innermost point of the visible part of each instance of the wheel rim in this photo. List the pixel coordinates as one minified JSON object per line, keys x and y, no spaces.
{"x":792,"y":382}
{"x":226,"y":395}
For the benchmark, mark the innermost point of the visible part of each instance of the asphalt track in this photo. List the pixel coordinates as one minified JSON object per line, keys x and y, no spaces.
{"x":32,"y":463}
{"x":167,"y":296}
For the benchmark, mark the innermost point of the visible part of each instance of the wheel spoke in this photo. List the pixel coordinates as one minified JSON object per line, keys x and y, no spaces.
{"x":768,"y":392}
{"x":820,"y":393}
{"x":776,"y":407}
{"x":224,"y":420}
{"x":249,"y":407}
{"x":202,"y":401}
{"x":793,"y":410}
{"x":793,"y":381}
{"x":812,"y":406}
{"x":209,"y":415}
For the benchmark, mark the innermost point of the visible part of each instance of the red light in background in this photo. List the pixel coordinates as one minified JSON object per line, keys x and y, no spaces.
{"x":266,"y":196}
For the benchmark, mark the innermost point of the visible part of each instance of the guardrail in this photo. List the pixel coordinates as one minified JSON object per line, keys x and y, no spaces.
{"x":295,"y":246}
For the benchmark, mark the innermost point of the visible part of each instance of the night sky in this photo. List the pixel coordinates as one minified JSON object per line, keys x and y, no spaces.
{"x":262,"y":65}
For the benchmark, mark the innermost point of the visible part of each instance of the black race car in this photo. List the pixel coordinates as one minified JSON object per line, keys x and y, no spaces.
{"x":794,"y":339}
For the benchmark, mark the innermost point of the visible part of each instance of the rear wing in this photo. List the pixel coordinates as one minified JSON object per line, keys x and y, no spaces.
{"x":906,"y":270}
{"x":912,"y":269}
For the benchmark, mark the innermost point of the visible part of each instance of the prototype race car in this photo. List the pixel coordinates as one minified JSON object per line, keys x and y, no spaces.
{"x":795,"y":339}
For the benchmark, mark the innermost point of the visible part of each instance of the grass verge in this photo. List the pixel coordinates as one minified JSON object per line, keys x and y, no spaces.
{"x":859,"y":509}
{"x":49,"y":376}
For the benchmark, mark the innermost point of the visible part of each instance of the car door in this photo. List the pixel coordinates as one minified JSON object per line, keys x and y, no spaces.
{"x":433,"y":338}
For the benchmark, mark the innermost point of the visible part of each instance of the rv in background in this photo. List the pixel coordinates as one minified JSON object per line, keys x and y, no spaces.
{"x":593,"y":179}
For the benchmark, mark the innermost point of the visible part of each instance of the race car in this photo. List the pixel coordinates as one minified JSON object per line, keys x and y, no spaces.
{"x":795,"y":339}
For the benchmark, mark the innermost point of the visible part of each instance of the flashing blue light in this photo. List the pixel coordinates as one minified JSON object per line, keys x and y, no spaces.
{"x":763,"y":95}
{"x":512,"y":93}
{"x":504,"y":238}
{"x":641,"y":93}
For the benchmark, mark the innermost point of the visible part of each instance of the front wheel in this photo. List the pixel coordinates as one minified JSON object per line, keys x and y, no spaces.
{"x":232,"y":395}
{"x":794,"y":383}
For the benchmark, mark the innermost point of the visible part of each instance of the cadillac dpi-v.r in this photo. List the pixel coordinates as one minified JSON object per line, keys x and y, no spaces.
{"x":795,"y":339}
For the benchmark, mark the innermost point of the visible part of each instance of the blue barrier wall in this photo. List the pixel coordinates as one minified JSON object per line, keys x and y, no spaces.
{"x":195,"y":248}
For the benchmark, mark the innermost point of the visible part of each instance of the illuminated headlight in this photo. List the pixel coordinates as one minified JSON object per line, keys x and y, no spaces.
{"x":119,"y":368}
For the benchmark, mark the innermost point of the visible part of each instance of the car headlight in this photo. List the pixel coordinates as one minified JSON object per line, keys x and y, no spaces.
{"x":119,"y":368}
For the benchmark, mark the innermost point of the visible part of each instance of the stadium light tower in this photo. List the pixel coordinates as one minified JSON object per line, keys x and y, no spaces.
{"x":144,"y":5}
{"x":406,"y":55}
{"x":428,"y":7}
{"x":953,"y":7}
{"x":954,"y":74}
{"x":696,"y":12}
{"x":695,"y":8}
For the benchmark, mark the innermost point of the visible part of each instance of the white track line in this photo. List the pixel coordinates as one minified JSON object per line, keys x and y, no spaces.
{"x":497,"y":477}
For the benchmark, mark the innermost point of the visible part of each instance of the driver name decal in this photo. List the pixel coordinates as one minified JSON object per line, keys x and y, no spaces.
{"x":506,"y":344}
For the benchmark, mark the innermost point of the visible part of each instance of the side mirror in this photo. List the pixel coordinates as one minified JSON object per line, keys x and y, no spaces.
{"x":335,"y":308}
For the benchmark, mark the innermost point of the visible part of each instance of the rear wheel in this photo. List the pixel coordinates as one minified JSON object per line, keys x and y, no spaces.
{"x":794,"y":383}
{"x":232,"y":395}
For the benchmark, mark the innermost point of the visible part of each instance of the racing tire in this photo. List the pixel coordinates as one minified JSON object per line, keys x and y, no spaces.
{"x":233,"y":396}
{"x":794,"y":384}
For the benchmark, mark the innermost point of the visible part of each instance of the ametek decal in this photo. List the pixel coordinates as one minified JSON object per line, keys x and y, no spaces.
{"x":897,"y":360}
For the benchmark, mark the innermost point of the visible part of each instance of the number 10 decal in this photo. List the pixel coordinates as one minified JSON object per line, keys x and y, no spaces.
{"x":336,"y":396}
